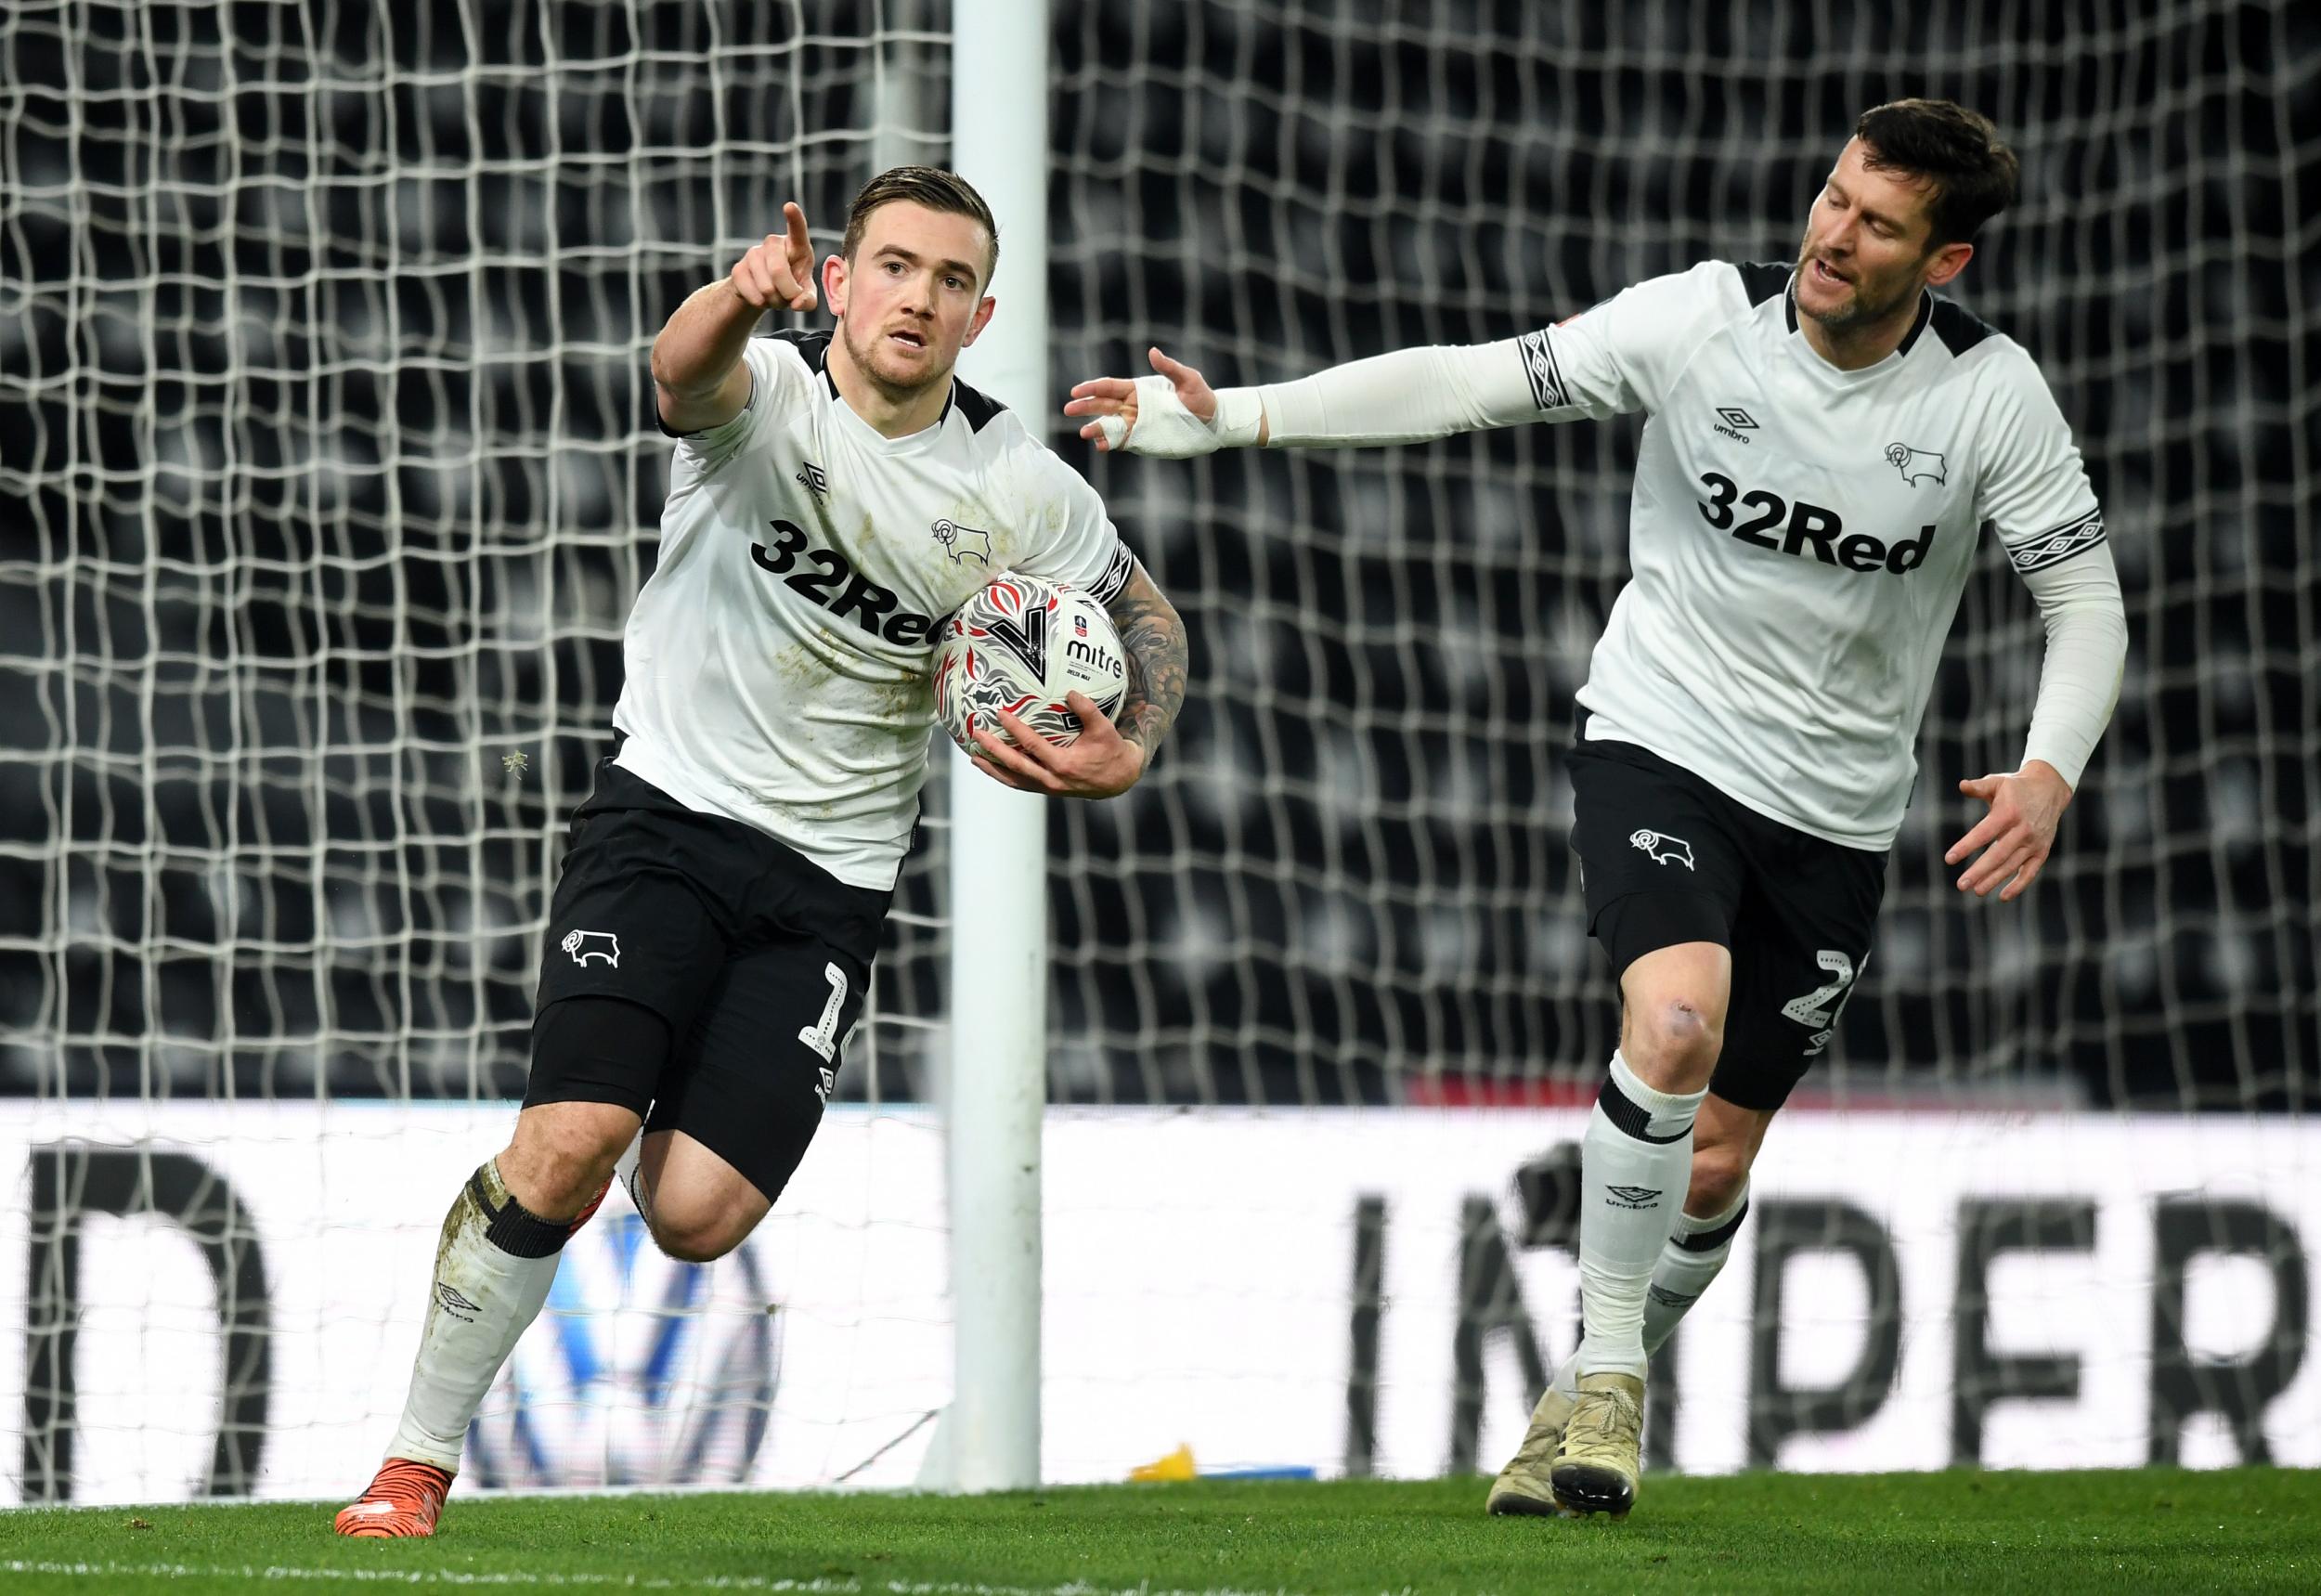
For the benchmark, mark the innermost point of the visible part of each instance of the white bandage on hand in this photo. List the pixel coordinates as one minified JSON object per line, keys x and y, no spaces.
{"x":1166,"y":429}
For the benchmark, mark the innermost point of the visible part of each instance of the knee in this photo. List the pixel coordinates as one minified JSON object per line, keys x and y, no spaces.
{"x":560,"y":1187}
{"x":692,"y":1234}
{"x":1673,"y":1043}
{"x":1720,"y":1172}
{"x":558,"y":1167}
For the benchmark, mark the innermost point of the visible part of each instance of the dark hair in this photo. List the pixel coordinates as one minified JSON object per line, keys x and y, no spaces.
{"x":1955,"y":151}
{"x":928,"y":185}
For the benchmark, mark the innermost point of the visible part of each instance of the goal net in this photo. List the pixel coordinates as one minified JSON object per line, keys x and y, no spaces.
{"x":333,"y":474}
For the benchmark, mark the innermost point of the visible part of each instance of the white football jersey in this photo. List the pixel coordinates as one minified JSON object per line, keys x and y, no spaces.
{"x":779,"y":658}
{"x":1800,"y":535}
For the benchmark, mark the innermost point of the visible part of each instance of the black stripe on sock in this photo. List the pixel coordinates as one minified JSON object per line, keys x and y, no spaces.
{"x":515,"y":1230}
{"x":1628,"y":1117}
{"x":1709,"y":1240}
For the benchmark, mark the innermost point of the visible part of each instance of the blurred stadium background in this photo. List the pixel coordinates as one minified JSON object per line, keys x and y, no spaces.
{"x":327,"y":449}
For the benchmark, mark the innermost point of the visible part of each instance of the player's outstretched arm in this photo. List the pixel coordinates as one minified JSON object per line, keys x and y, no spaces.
{"x":1173,"y":414}
{"x":1111,"y":755}
{"x":1409,"y":395}
{"x":698,"y":378}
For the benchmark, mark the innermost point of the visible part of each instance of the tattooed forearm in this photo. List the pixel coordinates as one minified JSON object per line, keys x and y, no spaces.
{"x":1153,"y":638}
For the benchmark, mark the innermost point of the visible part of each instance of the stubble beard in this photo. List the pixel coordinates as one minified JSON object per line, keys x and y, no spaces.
{"x":1858,"y":312}
{"x":869,"y":359}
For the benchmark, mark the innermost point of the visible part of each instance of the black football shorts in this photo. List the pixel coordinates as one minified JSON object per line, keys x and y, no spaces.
{"x":756,"y":959}
{"x":1667,"y":858}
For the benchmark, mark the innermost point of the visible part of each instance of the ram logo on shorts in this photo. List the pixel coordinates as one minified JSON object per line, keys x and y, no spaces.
{"x":1664,"y":849}
{"x":586,"y":945}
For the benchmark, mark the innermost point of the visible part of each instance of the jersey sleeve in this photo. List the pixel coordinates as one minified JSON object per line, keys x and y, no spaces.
{"x":1080,"y":545}
{"x":1625,"y":354}
{"x":2035,"y":492}
{"x":778,"y":378}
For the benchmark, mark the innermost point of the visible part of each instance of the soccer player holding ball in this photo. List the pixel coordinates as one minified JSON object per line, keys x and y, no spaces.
{"x":835,"y":496}
{"x":1826,"y":440}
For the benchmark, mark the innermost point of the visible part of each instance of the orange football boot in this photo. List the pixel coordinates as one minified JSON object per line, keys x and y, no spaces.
{"x":405,"y":1498}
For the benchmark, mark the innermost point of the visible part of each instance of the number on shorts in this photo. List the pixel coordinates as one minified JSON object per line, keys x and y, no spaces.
{"x":822,"y":1035}
{"x":1815,"y":1010}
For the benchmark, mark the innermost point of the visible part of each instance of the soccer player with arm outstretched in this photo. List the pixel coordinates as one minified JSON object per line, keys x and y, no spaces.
{"x":710,"y":941}
{"x":1826,"y":441}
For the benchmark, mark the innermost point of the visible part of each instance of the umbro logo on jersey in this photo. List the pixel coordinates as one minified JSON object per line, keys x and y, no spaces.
{"x":1915,"y":464}
{"x":586,"y":945}
{"x":964,"y":543}
{"x":1735,"y":423}
{"x":1632,"y":1196}
{"x":1664,"y":849}
{"x":812,"y":480}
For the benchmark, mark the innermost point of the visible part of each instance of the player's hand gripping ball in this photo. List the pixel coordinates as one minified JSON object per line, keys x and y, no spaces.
{"x":1023,"y":646}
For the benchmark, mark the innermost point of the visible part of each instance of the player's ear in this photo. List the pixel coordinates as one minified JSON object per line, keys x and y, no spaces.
{"x":1948,"y":262}
{"x":982,"y":318}
{"x":833,"y":284}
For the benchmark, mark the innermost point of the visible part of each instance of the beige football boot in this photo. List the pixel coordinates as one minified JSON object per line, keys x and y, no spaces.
{"x":1523,"y":1487}
{"x":1595,"y":1467}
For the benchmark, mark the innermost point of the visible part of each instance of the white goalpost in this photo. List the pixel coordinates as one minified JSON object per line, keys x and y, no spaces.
{"x":996,"y":1095}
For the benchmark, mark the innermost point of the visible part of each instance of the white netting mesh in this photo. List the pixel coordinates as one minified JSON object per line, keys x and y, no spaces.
{"x":332,"y":445}
{"x":1353,"y":867}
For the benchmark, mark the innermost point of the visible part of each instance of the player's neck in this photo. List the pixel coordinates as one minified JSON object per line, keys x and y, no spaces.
{"x":891,"y":412}
{"x":1852,"y":348}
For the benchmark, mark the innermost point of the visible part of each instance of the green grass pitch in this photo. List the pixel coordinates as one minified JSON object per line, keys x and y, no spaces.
{"x":2240,"y":1530}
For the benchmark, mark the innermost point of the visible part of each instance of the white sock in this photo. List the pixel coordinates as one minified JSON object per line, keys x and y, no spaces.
{"x":1679,"y":1279}
{"x":493,"y":1268}
{"x":1695,"y":1250}
{"x":1635,"y":1164}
